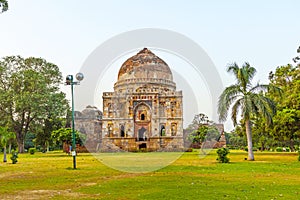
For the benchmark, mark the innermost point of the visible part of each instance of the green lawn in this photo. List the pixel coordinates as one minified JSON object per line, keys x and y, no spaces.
{"x":50,"y":176}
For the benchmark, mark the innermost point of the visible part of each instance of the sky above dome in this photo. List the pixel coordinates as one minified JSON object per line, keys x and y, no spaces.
{"x":263,"y":33}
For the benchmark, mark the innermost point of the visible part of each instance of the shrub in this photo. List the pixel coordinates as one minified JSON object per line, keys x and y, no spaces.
{"x":279,"y":149}
{"x":32,"y":151}
{"x":287,"y":149}
{"x":14,"y":157}
{"x":222,"y":155}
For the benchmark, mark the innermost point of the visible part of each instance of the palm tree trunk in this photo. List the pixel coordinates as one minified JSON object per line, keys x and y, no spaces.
{"x":249,"y":140}
{"x":9,"y":147}
{"x":4,"y":154}
{"x":47,"y":146}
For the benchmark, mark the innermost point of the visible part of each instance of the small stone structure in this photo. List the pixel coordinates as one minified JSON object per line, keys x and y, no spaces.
{"x":89,"y":122}
{"x":222,"y":140}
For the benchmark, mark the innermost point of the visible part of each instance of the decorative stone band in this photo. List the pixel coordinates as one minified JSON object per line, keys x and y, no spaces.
{"x":125,"y":82}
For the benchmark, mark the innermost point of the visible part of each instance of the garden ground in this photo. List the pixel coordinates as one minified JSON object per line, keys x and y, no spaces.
{"x":50,"y":176}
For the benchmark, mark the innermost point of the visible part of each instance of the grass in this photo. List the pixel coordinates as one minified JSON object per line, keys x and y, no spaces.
{"x":50,"y":176}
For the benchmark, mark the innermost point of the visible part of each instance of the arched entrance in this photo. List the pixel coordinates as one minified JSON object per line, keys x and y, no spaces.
{"x":122,"y":131}
{"x":162,"y":130}
{"x":142,"y":122}
{"x":142,"y":134}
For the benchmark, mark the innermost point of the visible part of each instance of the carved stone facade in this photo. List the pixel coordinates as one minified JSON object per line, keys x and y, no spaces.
{"x":145,"y":110}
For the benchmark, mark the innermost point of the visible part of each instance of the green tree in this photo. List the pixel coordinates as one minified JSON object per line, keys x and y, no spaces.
{"x":29,"y":141}
{"x":3,"y":6}
{"x":205,"y":133}
{"x":202,"y":129}
{"x":246,"y":99}
{"x":297,"y":58}
{"x":286,"y":128}
{"x":64,"y":135}
{"x":27,"y":87}
{"x":201,"y":119}
{"x":52,"y":121}
{"x":286,"y":77}
{"x":5,"y":137}
{"x":236,"y":141}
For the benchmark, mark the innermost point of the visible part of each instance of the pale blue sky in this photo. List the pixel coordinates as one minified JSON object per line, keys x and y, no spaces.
{"x":264,"y":33}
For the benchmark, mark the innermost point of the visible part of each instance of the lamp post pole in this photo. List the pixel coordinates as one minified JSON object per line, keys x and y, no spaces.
{"x":69,"y":81}
{"x":73,"y":127}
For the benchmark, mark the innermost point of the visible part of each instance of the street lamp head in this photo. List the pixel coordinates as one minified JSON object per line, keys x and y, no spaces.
{"x":79,"y":76}
{"x":69,"y":79}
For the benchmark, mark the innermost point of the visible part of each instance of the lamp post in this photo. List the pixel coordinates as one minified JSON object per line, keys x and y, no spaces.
{"x":69,"y":81}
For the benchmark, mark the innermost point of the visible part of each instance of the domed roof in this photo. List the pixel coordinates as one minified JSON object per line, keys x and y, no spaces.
{"x":145,"y":64}
{"x":92,"y":112}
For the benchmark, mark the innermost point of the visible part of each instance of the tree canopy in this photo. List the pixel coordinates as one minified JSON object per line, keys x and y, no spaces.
{"x":64,"y":135}
{"x":29,"y":94}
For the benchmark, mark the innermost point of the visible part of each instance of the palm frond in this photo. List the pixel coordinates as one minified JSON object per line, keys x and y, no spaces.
{"x":259,"y":88}
{"x":249,"y":72}
{"x":235,"y":110}
{"x":265,"y":106}
{"x":229,"y":95}
{"x":233,"y":68}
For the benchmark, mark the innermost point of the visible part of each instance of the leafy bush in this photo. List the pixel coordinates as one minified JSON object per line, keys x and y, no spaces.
{"x":14,"y":157}
{"x":222,"y":155}
{"x":279,"y":149}
{"x":32,"y":151}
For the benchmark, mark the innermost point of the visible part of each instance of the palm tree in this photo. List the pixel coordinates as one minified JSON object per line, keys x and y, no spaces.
{"x":247,"y":100}
{"x":5,"y":136}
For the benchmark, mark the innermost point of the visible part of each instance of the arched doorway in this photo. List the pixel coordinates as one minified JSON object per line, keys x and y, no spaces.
{"x":162,"y":130}
{"x":142,"y":134}
{"x":122,"y":131}
{"x":142,"y":122}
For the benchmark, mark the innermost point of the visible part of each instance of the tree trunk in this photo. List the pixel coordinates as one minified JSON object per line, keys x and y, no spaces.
{"x":292,"y":145}
{"x":9,"y":147}
{"x":262,"y":146}
{"x":20,"y":141}
{"x":47,"y":146}
{"x":249,"y":140}
{"x":4,"y":154}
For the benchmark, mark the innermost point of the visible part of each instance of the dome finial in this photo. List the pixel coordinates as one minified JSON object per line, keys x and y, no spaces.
{"x":145,"y":51}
